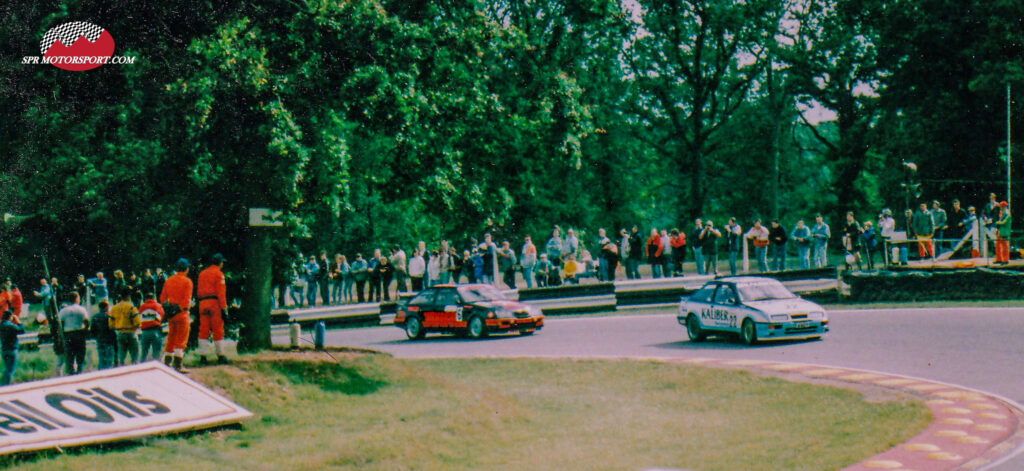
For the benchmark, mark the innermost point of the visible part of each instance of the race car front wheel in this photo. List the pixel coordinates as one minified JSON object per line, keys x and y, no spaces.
{"x":693,"y":329}
{"x":476,"y":328}
{"x":414,"y":328}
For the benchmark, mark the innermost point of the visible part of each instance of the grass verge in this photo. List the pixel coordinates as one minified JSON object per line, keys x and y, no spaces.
{"x":376,"y":412}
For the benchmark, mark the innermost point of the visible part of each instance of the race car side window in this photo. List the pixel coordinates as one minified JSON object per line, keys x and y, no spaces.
{"x":703,"y":295}
{"x":726,"y":295}
{"x":425,"y":297}
{"x":447,"y":297}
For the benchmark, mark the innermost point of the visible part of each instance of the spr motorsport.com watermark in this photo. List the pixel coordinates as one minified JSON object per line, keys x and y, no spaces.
{"x":77,"y":46}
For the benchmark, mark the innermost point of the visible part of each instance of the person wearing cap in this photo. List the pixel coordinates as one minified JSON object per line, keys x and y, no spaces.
{"x":10,"y":327}
{"x":177,"y":295}
{"x":1003,"y":234}
{"x":211,"y":291}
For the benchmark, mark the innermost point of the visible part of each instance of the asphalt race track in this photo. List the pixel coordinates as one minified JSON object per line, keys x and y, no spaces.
{"x":980,"y":348}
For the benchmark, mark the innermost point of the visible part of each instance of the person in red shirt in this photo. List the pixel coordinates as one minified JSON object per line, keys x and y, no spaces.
{"x":177,"y":292}
{"x":678,"y":241}
{"x":653,"y":251}
{"x":212,"y":295}
{"x":152,"y":315}
{"x":10,"y":298}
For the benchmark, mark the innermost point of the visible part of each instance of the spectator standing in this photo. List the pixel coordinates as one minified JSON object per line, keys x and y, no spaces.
{"x":1003,"y":234}
{"x":924,"y":229}
{"x":468,"y":266}
{"x":610,"y":252}
{"x":554,"y":247}
{"x":478,"y":263}
{"x":134,"y":288}
{"x":177,"y":298}
{"x":360,"y":273}
{"x":387,"y":273}
{"x":125,"y":319}
{"x":571,"y":244}
{"x":698,"y":257}
{"x":678,"y":242}
{"x":10,"y":327}
{"x":665,"y":259}
{"x":117,"y":286}
{"x":45,"y":297}
{"x":758,"y":235}
{"x":417,"y":268}
{"x":373,"y":270}
{"x":147,"y":282}
{"x":339,"y":275}
{"x":455,"y":265}
{"x":735,"y":238}
{"x":151,"y":316}
{"x":211,"y":291}
{"x":955,"y":223}
{"x":851,"y":240}
{"x":401,"y":268}
{"x":444,"y":262}
{"x":161,"y":278}
{"x":11,"y":299}
{"x":81,"y":286}
{"x":869,"y":243}
{"x":434,"y":268}
{"x":624,"y":253}
{"x":990,"y":215}
{"x":801,"y":236}
{"x":75,"y":321}
{"x":312,"y":275}
{"x":778,"y":238}
{"x":297,"y":287}
{"x":528,"y":261}
{"x":602,"y":263}
{"x":507,"y":264}
{"x":820,"y":235}
{"x":323,"y":278}
{"x":106,"y":337}
{"x":488,"y":251}
{"x":709,"y":247}
{"x":636,"y":254}
{"x":940,"y":220}
{"x":886,"y":229}
{"x":907,"y":225}
{"x":653,"y":251}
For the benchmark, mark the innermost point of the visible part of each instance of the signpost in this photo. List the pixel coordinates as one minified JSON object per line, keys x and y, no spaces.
{"x":255,"y":331}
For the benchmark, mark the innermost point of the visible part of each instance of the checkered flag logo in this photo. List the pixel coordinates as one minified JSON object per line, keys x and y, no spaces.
{"x":67,"y":33}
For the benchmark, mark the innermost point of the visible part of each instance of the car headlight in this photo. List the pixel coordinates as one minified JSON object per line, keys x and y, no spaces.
{"x":817,"y":315}
{"x":780,"y":317}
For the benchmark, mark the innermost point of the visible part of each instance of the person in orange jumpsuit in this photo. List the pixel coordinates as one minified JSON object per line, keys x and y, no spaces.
{"x":10,"y":298}
{"x":211,"y":293}
{"x":177,"y":291}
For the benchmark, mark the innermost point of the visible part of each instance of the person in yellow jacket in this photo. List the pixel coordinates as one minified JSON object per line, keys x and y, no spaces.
{"x":125,"y":319}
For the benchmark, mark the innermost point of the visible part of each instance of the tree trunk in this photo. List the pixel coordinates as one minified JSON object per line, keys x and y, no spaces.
{"x":255,"y":313}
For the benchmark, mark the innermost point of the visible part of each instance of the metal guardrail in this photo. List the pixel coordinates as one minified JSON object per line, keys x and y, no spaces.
{"x":649,"y":292}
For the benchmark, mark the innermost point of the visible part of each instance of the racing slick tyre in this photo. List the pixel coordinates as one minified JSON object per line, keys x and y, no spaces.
{"x":748,"y":332}
{"x":693,"y":329}
{"x":414,"y":328}
{"x":476,"y":328}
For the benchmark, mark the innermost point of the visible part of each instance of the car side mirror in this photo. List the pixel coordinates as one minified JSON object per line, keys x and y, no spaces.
{"x":732,"y":301}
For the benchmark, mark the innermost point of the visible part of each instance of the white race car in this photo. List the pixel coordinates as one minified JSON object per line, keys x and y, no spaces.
{"x":755,"y":308}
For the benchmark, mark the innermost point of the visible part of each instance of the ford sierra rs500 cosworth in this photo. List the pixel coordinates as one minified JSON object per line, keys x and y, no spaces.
{"x":474,"y":310}
{"x":755,"y":308}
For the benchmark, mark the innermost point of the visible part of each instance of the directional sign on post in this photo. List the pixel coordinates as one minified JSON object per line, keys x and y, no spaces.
{"x":263,"y":217}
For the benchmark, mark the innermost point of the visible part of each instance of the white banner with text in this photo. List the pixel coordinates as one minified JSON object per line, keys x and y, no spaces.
{"x":108,"y":405}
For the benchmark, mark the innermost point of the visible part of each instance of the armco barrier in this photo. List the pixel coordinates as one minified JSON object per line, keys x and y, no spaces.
{"x":817,"y":285}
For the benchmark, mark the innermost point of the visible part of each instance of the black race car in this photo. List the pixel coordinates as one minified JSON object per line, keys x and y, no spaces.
{"x":473,"y":310}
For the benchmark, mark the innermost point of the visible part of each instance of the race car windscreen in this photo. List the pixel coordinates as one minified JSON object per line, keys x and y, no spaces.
{"x":481,"y":294}
{"x":764,"y":292}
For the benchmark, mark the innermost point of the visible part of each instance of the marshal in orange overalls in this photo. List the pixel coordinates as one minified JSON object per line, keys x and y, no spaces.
{"x":212,"y":294}
{"x":177,"y":290}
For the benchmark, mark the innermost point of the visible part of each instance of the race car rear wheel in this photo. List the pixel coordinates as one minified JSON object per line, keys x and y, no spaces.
{"x":693,"y":329}
{"x":414,"y":328}
{"x":476,"y":328}
{"x":748,"y":332}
